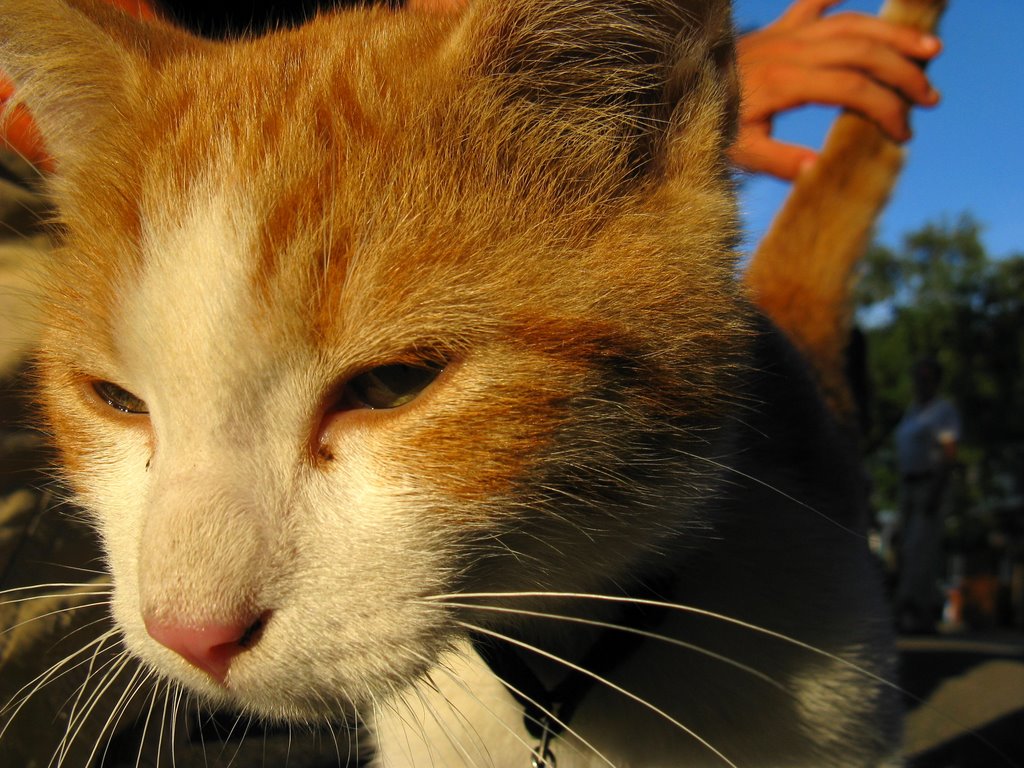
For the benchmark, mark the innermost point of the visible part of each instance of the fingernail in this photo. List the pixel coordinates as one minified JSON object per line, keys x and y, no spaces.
{"x":930,"y":44}
{"x":934,"y":96}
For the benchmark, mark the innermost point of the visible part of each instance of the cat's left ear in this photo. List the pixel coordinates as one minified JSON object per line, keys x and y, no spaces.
{"x":73,"y":64}
{"x":650,"y":82}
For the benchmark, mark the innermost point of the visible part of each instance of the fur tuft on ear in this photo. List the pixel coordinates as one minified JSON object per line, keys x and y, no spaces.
{"x":640,"y":74}
{"x":72,"y":63}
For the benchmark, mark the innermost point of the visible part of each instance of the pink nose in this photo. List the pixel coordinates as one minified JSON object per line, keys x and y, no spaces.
{"x":211,"y":647}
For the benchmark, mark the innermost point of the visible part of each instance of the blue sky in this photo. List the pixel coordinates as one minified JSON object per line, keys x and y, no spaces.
{"x":967,"y":154}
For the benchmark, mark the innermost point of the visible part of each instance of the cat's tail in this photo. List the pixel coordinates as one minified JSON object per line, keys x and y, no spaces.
{"x":802,"y":274}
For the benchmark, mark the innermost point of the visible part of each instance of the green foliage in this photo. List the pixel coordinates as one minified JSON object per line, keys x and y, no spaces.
{"x":941,"y":294}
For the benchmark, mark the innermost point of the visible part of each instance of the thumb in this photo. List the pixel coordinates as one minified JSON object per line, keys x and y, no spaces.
{"x":761,"y":154}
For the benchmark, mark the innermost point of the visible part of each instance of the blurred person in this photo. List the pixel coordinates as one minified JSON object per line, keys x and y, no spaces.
{"x":926,"y":449}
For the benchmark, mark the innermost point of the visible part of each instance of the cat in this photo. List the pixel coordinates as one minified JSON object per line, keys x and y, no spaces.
{"x":401,"y":364}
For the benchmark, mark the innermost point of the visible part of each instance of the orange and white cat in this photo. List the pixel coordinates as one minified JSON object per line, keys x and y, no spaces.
{"x":395,"y":341}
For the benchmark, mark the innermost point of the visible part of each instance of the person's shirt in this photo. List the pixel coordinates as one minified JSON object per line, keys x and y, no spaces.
{"x":923,"y":435}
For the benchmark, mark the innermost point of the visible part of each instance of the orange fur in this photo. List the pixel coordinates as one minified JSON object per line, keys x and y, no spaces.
{"x":418,"y":154}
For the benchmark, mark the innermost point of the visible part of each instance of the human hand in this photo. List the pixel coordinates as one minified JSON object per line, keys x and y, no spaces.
{"x":17,"y":131}
{"x":847,"y":60}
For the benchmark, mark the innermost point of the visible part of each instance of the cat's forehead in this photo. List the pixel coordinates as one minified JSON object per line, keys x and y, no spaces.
{"x":237,"y":193}
{"x":359,"y":190}
{"x":351,"y":196}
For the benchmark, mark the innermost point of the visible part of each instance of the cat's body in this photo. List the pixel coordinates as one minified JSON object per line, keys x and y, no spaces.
{"x":757,"y":699}
{"x":510,"y":233}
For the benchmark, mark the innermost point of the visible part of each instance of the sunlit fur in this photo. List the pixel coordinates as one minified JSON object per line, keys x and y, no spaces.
{"x":533,"y":193}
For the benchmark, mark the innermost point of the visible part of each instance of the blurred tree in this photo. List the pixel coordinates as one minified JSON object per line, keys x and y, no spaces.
{"x":941,"y":294}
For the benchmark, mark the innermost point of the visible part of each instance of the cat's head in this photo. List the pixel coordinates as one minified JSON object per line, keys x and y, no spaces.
{"x":385,"y":307}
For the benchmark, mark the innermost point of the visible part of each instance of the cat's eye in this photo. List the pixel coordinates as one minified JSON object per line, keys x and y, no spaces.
{"x":389,"y":386}
{"x":118,"y":398}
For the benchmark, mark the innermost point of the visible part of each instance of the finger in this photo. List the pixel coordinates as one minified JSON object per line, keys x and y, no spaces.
{"x":803,"y":11}
{"x":909,"y":41}
{"x":795,"y":86}
{"x":881,"y":61}
{"x":860,"y":93}
{"x":762,"y":154}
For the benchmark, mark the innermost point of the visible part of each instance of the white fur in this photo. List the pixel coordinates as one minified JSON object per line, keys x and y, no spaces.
{"x":231,"y":465}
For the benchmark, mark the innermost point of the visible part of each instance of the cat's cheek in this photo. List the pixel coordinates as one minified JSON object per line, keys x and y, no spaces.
{"x":110,"y":484}
{"x":114,"y":482}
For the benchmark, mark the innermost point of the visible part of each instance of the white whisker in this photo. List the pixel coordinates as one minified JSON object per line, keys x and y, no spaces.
{"x":57,"y":612}
{"x":53,"y":586}
{"x":175,"y":712}
{"x":145,"y":726}
{"x":445,"y":729}
{"x":90,"y":672}
{"x":79,"y":717}
{"x":565,"y":726}
{"x":128,"y":693}
{"x":777,"y":491}
{"x":604,"y":681}
{"x":75,"y":720}
{"x":47,"y":676}
{"x":241,"y":740}
{"x":163,"y":724}
{"x":682,"y":609}
{"x":629,"y":630}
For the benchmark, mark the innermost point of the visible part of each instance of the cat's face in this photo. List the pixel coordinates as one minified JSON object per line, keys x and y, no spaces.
{"x":384,"y":308}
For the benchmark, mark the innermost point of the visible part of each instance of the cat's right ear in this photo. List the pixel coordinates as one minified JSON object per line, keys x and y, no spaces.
{"x":72,"y":65}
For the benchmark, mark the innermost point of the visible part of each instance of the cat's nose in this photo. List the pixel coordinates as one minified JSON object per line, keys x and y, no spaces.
{"x":210,"y":647}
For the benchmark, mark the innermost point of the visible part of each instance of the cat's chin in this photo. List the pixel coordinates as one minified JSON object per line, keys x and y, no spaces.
{"x":272,"y":698}
{"x":282,"y":709}
{"x":277,"y":709}
{"x":275,"y":686}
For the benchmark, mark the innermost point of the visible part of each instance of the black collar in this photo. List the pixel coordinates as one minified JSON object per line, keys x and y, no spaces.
{"x":547,"y":711}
